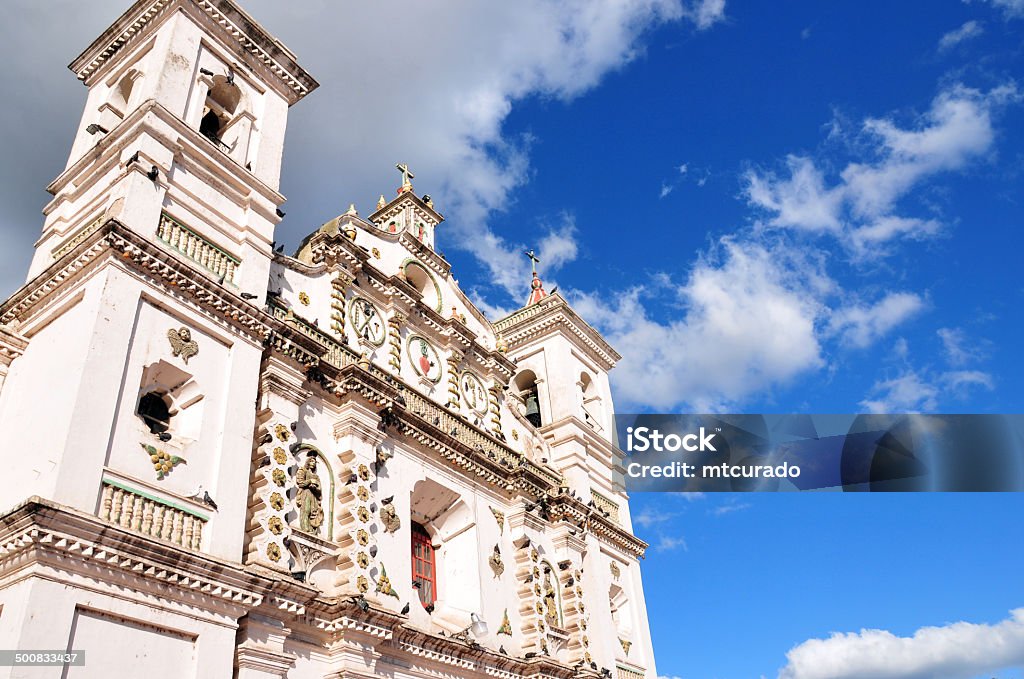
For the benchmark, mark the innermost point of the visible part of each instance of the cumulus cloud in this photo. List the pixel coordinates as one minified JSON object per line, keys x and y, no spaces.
{"x":858,"y":206}
{"x":970,"y":29}
{"x":959,"y":650}
{"x":749,"y":322}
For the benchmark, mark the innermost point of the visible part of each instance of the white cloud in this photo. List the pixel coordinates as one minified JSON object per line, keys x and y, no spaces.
{"x":730,"y":508}
{"x":907,"y":393}
{"x":860,"y":326}
{"x":668,"y":543}
{"x":665,"y":190}
{"x":858,"y":207}
{"x":648,"y":517}
{"x":970,"y":29}
{"x":959,"y":380}
{"x":1012,"y":9}
{"x":959,"y":349}
{"x":914,"y":391}
{"x":705,"y":13}
{"x":959,"y":650}
{"x":749,"y":324}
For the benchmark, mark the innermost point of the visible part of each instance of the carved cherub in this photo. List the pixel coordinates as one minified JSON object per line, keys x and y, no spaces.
{"x":388,"y":515}
{"x":182,"y":344}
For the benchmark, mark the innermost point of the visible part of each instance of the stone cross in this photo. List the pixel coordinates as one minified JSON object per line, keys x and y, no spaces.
{"x":406,"y":174}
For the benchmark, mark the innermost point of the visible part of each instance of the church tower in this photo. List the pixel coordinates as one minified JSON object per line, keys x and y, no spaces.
{"x":135,"y":338}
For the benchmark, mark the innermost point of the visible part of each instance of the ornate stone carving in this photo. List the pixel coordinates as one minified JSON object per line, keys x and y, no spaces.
{"x":273,"y":552}
{"x":309,"y":498}
{"x":384,"y":583}
{"x":282,"y":432}
{"x":625,"y":645}
{"x":279,"y":477}
{"x":275,"y":525}
{"x":182,"y":344}
{"x":279,"y":456}
{"x":614,"y":568}
{"x":389,"y":517}
{"x":362,"y":584}
{"x":395,"y":342}
{"x":497,"y":565}
{"x":506,"y":625}
{"x":277,"y":501}
{"x":500,"y":518}
{"x":163,"y":462}
{"x":304,"y":298}
{"x":338,"y":285}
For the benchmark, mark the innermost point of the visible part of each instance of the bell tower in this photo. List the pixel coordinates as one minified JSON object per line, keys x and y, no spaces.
{"x":139,"y":329}
{"x":181,"y":138}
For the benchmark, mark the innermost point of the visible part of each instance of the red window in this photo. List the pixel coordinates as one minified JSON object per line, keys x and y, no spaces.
{"x":424,"y":574}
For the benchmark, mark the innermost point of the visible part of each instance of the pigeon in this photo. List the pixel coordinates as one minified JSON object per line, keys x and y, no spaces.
{"x":388,"y":500}
{"x":352,"y":479}
{"x":501,"y":649}
{"x":405,"y":609}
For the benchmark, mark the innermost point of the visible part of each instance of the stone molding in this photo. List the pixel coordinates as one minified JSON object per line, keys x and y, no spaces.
{"x":235,"y":26}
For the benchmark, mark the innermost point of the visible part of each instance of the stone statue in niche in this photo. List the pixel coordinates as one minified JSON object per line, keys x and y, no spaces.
{"x":311,"y":511}
{"x":182,"y":344}
{"x":550,"y":602}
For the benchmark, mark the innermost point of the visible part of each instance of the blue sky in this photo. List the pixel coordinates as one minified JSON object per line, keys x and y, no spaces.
{"x":766,"y":207}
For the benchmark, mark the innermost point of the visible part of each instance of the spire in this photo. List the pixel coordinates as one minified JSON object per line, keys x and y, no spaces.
{"x":352,"y":210}
{"x":406,"y":176}
{"x":536,"y":287}
{"x":381,"y":202}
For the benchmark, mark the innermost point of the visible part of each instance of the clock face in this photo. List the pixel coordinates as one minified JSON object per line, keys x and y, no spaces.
{"x":424,"y":358}
{"x":473,"y":393}
{"x":367,"y":321}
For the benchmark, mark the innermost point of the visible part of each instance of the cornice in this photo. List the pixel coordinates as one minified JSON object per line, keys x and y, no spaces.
{"x":173,"y":274}
{"x":39,"y":530}
{"x":12,"y":345}
{"x":251,"y":41}
{"x":537,"y":320}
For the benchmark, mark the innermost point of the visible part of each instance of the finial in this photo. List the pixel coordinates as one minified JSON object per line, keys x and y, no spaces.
{"x":381,"y":202}
{"x":406,"y":176}
{"x":352,"y":210}
{"x":536,"y":287}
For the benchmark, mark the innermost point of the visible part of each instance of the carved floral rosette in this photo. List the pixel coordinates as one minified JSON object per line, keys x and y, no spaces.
{"x":355,"y":532}
{"x":271,"y":487}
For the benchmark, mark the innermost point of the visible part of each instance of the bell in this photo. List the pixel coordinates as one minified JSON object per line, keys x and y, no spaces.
{"x":533,"y":409}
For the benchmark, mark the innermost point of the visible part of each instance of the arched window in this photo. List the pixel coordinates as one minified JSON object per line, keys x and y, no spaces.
{"x":155,"y":412}
{"x":423,"y":281}
{"x":221,"y":102}
{"x":121,"y":93}
{"x":526,"y":385}
{"x":424,"y":565}
{"x":621,"y":613}
{"x":590,"y":401}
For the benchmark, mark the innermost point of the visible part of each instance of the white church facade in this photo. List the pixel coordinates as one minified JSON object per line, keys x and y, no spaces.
{"x":224,"y":461}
